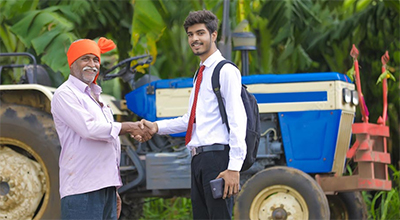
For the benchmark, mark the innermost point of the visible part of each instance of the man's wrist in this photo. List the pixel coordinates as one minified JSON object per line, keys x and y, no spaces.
{"x":156,"y":126}
{"x":235,"y":164}
{"x":233,"y":170}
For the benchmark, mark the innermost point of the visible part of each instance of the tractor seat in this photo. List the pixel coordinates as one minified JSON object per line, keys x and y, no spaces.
{"x":42,"y":76}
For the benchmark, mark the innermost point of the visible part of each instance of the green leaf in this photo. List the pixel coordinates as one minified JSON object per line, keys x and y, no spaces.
{"x":55,"y":55}
{"x":37,"y":23}
{"x":384,"y":75}
{"x":373,"y":203}
{"x":348,"y":167}
{"x":393,"y":4}
{"x":7,"y":39}
{"x":265,"y":41}
{"x":348,"y":4}
{"x":148,"y":17}
{"x":362,"y":4}
{"x":41,"y":42}
{"x":22,"y":27}
{"x":283,"y":34}
{"x":147,"y":21}
{"x":59,"y":20}
{"x":10,"y":9}
{"x":386,"y":203}
{"x":303,"y":58}
{"x":70,"y":15}
{"x":289,"y":48}
{"x":350,"y":73}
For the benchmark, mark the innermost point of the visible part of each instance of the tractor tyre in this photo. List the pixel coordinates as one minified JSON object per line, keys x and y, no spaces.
{"x":29,"y":151}
{"x":281,"y":193}
{"x":347,"y":205}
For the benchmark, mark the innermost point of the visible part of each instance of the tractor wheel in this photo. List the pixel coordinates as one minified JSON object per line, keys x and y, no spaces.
{"x":29,"y":151}
{"x":281,"y":193}
{"x":348,"y":205}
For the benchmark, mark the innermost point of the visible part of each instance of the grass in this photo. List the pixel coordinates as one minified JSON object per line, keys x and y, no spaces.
{"x":173,"y":208}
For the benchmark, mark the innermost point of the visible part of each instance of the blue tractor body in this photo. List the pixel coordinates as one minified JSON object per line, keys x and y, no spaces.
{"x":314,"y":122}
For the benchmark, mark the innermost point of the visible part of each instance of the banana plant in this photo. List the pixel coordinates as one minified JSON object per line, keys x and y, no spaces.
{"x":48,"y":33}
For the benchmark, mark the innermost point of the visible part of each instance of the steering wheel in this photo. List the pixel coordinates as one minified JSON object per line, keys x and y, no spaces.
{"x":128,"y":72}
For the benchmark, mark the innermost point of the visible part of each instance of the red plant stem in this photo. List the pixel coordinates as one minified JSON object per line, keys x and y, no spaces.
{"x":384,"y":93}
{"x":360,"y":95}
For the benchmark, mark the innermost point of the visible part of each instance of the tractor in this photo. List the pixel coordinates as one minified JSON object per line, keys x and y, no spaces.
{"x":307,"y":124}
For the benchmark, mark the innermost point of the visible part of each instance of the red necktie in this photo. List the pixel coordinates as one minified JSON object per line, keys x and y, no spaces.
{"x":193,"y":111}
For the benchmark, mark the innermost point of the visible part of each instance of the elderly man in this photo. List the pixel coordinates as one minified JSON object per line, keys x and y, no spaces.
{"x":90,"y":146}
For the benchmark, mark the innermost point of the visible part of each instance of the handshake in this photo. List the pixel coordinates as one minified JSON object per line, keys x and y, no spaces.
{"x":141,"y":131}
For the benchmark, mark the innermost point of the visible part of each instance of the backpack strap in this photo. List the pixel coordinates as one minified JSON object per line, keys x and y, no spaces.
{"x":216,"y":88}
{"x":195,"y":75}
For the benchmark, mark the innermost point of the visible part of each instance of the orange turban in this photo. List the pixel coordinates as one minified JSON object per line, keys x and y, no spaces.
{"x":86,"y":46}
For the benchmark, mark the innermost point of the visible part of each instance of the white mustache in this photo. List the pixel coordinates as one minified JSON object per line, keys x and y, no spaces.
{"x":90,"y":68}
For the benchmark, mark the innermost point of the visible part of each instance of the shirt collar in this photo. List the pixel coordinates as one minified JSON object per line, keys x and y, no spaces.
{"x":211,"y":59}
{"x":83,"y":86}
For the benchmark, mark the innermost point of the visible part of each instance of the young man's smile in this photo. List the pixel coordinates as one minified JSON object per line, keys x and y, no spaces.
{"x":201,"y":40}
{"x":196,"y":45}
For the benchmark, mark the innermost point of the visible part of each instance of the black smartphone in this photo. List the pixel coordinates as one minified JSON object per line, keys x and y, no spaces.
{"x":217,"y":187}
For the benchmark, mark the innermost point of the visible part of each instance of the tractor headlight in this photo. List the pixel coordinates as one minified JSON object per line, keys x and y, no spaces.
{"x":346,"y":95}
{"x":354,"y":97}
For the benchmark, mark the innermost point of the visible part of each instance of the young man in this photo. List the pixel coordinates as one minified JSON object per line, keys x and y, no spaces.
{"x":90,"y":147}
{"x":216,"y":153}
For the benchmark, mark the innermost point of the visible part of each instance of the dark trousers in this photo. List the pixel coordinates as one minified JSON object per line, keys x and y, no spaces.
{"x":205,"y":167}
{"x":99,"y":204}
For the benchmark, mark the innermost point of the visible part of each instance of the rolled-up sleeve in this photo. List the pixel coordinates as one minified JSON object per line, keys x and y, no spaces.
{"x":115,"y":129}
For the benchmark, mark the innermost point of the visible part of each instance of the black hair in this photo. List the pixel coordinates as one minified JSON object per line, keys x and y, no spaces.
{"x":202,"y":17}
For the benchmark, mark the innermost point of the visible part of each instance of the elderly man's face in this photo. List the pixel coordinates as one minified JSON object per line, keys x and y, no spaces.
{"x":86,"y":68}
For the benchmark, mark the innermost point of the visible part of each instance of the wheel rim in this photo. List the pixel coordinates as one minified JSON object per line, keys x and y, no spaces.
{"x":23,"y":181}
{"x":279,"y":202}
{"x":337,"y":207}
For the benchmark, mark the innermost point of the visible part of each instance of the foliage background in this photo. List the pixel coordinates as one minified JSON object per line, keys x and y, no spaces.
{"x":292,"y":36}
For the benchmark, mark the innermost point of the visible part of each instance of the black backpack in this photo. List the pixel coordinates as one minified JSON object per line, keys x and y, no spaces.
{"x":253,"y":117}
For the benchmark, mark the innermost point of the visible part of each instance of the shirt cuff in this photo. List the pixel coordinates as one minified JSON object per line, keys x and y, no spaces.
{"x":235,"y":164}
{"x":161,"y":127}
{"x":115,"y":129}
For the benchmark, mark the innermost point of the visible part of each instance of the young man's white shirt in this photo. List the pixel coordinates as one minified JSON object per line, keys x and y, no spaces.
{"x":209,"y":128}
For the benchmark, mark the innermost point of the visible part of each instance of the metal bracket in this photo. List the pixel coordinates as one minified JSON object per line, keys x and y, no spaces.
{"x":150,"y":90}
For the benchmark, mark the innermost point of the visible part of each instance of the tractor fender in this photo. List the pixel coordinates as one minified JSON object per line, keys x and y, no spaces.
{"x":33,"y":95}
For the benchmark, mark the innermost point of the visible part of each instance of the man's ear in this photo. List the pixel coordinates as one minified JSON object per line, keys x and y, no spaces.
{"x":214,"y":36}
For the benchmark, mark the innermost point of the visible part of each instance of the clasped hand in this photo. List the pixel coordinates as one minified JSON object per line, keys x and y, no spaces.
{"x":137,"y":130}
